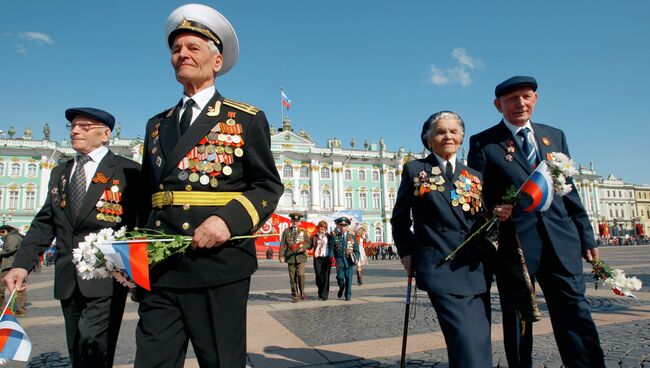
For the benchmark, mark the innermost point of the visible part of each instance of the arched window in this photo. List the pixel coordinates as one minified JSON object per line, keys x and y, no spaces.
{"x":391,"y":176}
{"x":363,"y":200}
{"x":31,"y":170}
{"x":378,"y":234}
{"x":376,"y":201}
{"x":362,"y":175}
{"x":2,"y":168}
{"x":304,"y":171}
{"x":304,"y":198}
{"x":391,"y":200}
{"x":287,"y":199}
{"x":375,"y":175}
{"x":348,"y":200}
{"x":13,"y":200}
{"x":30,"y":200}
{"x":15,"y":170}
{"x":348,"y":174}
{"x":326,"y":197}
{"x":287,"y":172}
{"x":324,"y":173}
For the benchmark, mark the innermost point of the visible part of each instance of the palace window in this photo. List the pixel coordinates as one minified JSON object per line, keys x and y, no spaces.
{"x":324,"y":173}
{"x":13,"y":200}
{"x":391,"y":176}
{"x":326,"y":198}
{"x":287,"y":172}
{"x":31,"y":170}
{"x":304,"y":198}
{"x":391,"y":200}
{"x":362,"y":175}
{"x":379,"y":237}
{"x":15,"y":170}
{"x":376,"y":201}
{"x":304,"y":171}
{"x":375,"y":175}
{"x":30,"y":200}
{"x":2,"y":169}
{"x":348,"y":200}
{"x":363,"y":200}
{"x":287,"y":199}
{"x":348,"y":174}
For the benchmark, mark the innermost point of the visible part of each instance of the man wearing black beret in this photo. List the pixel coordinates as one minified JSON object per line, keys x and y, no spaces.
{"x":552,"y":241}
{"x":95,"y":190}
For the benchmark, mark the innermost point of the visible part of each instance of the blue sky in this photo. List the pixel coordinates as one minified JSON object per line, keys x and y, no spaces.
{"x":353,"y":69}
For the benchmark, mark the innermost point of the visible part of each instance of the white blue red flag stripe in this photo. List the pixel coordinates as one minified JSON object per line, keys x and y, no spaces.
{"x":14,"y":343}
{"x":539,"y":187}
{"x":286,"y":102}
{"x":130,"y":256}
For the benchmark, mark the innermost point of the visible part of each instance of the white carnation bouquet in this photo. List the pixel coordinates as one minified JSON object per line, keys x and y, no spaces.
{"x":561,"y":167}
{"x":615,"y":279}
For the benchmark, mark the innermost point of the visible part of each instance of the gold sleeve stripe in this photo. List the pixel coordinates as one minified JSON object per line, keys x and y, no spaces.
{"x":252,"y":212}
{"x":249,"y":109}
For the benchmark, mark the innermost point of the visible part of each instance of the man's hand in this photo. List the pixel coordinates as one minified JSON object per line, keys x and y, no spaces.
{"x":591,"y":254}
{"x":406,"y":262}
{"x":281,"y":259}
{"x":212,"y":233}
{"x":15,"y":279}
{"x":502,"y":212}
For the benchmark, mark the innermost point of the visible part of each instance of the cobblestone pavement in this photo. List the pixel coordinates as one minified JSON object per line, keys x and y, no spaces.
{"x":365,"y":332}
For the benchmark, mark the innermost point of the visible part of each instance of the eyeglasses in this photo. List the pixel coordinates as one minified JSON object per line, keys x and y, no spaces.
{"x":86,"y":127}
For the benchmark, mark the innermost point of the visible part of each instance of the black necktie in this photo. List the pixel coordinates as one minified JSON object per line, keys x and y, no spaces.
{"x":528,"y":147}
{"x":449,"y":171}
{"x":78,"y":185}
{"x":186,"y":118}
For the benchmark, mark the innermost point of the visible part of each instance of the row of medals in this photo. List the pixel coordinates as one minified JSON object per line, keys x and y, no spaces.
{"x":470,"y":200}
{"x":110,"y":211}
{"x":217,"y":144}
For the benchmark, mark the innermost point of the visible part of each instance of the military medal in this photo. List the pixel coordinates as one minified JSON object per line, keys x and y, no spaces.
{"x":227,"y":170}
{"x":194,"y":177}
{"x":100,"y":216}
{"x":204,"y":179}
{"x":231,"y":122}
{"x":436,"y":170}
{"x":214,"y":182}
{"x":115,"y":189}
{"x":508,"y":157}
{"x":183,"y":175}
{"x":465,"y":207}
{"x":239,"y":152}
{"x":546,"y":141}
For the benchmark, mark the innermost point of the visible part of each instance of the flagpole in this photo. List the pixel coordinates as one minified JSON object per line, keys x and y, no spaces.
{"x":11,"y":298}
{"x":282,"y":108}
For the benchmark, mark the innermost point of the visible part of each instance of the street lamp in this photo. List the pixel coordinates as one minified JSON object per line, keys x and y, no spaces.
{"x":5,"y":218}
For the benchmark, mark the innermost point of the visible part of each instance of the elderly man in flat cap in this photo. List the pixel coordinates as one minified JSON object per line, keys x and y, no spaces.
{"x":77,"y":205}
{"x":208,"y":174}
{"x":552,"y":241}
{"x":294,"y":245}
{"x":344,"y":248}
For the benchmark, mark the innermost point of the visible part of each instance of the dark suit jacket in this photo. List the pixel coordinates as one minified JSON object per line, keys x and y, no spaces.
{"x":436,"y":228}
{"x":55,"y":220}
{"x":565,"y":223}
{"x":253,"y":174}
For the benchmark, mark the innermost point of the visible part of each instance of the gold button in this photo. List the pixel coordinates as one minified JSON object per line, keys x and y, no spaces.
{"x":186,"y":207}
{"x":157,"y":223}
{"x":185,"y":226}
{"x":161,"y":186}
{"x":188,"y":188}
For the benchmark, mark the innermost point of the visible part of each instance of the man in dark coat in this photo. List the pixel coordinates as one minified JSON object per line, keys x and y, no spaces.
{"x":552,"y":241}
{"x":12,"y":239}
{"x":344,"y":248}
{"x":96,"y":190}
{"x":209,"y":174}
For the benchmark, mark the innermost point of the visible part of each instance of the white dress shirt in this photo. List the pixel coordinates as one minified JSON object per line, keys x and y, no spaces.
{"x":201,"y":99}
{"x":90,"y":167}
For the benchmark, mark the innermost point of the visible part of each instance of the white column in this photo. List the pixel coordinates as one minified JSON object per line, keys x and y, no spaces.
{"x":46,"y":171}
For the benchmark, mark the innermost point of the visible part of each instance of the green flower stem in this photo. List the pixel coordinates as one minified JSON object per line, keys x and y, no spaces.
{"x":453,"y":253}
{"x":251,"y":236}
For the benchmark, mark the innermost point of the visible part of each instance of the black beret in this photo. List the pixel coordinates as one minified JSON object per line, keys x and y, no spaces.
{"x":97,"y":114}
{"x":342,"y":220}
{"x":515,"y":82}
{"x":295,"y":216}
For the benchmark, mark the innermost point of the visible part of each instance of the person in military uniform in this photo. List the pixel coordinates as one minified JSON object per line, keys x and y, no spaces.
{"x":294,"y":245}
{"x":94,"y":191}
{"x":208,"y":174}
{"x":343,"y":246}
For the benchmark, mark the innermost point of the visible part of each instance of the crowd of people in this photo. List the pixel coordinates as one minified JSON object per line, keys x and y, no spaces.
{"x":208,"y":173}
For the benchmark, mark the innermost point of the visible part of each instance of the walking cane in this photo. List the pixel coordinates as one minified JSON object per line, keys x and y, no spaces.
{"x":406,"y":321}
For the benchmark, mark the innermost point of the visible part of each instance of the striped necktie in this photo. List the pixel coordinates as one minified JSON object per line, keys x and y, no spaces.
{"x":528,"y":146}
{"x":78,"y":185}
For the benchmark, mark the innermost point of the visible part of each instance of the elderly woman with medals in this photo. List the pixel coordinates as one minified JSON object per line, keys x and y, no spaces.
{"x":444,"y":198}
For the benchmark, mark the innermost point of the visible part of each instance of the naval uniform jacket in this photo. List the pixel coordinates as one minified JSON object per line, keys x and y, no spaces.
{"x":565,"y":223}
{"x":254,"y":180}
{"x":54,"y":220}
{"x":435,"y":229}
{"x":337,"y":247}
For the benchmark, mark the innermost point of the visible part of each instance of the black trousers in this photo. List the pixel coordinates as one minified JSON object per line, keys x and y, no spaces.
{"x":322,"y":268}
{"x":92,"y":326}
{"x":213,"y":319}
{"x":574,"y":329}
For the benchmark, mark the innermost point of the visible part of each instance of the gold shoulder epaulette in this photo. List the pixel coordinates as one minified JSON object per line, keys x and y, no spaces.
{"x":165,"y":114}
{"x":249,"y":109}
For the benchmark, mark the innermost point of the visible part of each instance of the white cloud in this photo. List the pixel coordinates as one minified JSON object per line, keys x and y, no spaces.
{"x":38,"y":37}
{"x":459,"y":74}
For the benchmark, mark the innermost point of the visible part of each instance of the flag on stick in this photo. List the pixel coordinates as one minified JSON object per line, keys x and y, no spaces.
{"x":14,"y":343}
{"x":130,"y":256}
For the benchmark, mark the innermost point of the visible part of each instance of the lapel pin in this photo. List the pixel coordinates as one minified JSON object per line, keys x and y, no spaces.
{"x":546,"y":141}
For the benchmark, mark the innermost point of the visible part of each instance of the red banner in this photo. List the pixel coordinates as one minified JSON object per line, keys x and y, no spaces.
{"x":276,"y":225}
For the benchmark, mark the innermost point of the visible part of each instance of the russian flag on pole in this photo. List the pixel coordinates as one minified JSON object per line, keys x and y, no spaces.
{"x":539,"y":187}
{"x":14,"y":343}
{"x":286,"y":102}
{"x":130,"y":256}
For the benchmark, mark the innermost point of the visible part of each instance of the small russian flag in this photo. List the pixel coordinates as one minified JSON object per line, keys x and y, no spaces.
{"x":130,"y":256}
{"x":539,"y":187}
{"x":286,"y":102}
{"x":14,"y":343}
